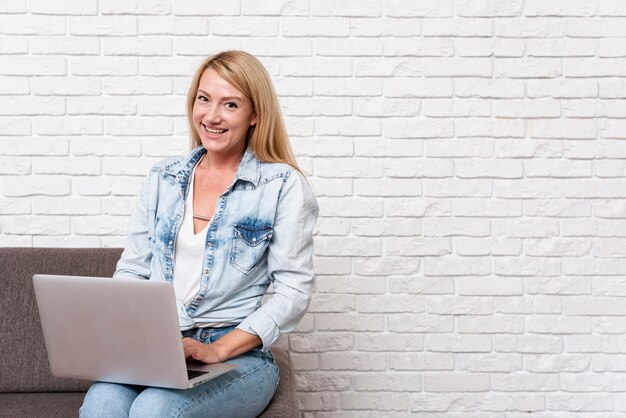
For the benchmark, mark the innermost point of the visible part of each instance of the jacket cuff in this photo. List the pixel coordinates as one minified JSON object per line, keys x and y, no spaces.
{"x":262,"y":325}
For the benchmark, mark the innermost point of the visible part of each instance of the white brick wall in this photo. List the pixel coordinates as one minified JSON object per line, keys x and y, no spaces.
{"x":468,"y":157}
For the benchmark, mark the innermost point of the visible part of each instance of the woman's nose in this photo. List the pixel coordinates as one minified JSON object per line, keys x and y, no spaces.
{"x":212,"y":114}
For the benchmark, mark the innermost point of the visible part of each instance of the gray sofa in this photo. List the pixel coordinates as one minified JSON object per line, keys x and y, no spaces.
{"x":27,"y":389}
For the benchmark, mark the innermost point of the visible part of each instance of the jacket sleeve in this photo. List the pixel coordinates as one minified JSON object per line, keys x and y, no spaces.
{"x":137,"y":254}
{"x":289,"y":263}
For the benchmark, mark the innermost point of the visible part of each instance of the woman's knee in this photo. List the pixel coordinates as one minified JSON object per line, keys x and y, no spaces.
{"x":108,"y":400}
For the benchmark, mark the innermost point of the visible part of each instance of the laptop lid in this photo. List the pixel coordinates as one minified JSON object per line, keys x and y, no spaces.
{"x":114,"y":330}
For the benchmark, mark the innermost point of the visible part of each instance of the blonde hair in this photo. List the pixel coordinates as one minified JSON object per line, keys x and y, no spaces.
{"x":268,"y":137}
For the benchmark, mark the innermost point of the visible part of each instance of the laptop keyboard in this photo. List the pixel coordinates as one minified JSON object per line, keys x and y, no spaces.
{"x":195,"y":373}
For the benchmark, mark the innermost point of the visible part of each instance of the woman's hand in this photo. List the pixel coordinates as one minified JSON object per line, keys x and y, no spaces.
{"x":200,"y":351}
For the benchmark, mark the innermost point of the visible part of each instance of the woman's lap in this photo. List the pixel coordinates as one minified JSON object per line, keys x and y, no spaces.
{"x":242,"y":392}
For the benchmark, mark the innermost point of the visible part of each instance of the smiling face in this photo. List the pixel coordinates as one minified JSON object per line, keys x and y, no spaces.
{"x":221,"y":115}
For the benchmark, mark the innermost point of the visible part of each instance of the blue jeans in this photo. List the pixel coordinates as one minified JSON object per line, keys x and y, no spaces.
{"x":242,"y":392}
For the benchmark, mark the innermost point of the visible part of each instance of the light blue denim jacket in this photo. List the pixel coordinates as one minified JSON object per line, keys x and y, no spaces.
{"x":261,"y":233}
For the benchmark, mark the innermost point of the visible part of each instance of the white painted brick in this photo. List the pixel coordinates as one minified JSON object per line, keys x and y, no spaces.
{"x":489,"y":286}
{"x":425,"y":8}
{"x":458,"y":148}
{"x":304,"y":67}
{"x":520,"y":381}
{"x":348,"y":8}
{"x":134,"y":7}
{"x":554,"y":247}
{"x":416,"y":168}
{"x":420,"y":361}
{"x":384,"y":27}
{"x":161,"y":106}
{"x":336,"y":246}
{"x":134,"y":46}
{"x":331,"y":187}
{"x":396,"y":382}
{"x":527,"y":108}
{"x":559,"y":325}
{"x":32,"y":25}
{"x":488,"y":246}
{"x":419,"y":47}
{"x":347,"y":126}
{"x":489,"y":362}
{"x":64,"y":7}
{"x":428,"y":403}
{"x":32,"y":66}
{"x":461,"y":305}
{"x":332,"y":265}
{"x":528,"y":189}
{"x":66,"y":206}
{"x":317,"y":401}
{"x":457,"y":67}
{"x":99,"y":225}
{"x":396,"y":227}
{"x":383,"y":107}
{"x":244,"y":26}
{"x":388,"y":265}
{"x":355,"y":207}
{"x":417,"y":246}
{"x":303,"y":106}
{"x":457,"y":382}
{"x":125,"y":185}
{"x":529,"y":28}
{"x":117,"y":205}
{"x":527,"y":266}
{"x":323,"y":381}
{"x":497,"y":128}
{"x":68,"y":241}
{"x":194,"y":8}
{"x":564,"y":286}
{"x":580,"y":402}
{"x":425,"y":285}
{"x":577,"y":47}
{"x":388,"y":187}
{"x":456,"y":266}
{"x":36,"y":185}
{"x":364,"y":147}
{"x":36,"y":225}
{"x":607,"y":363}
{"x":381,"y":401}
{"x":102,"y":25}
{"x":536,"y":304}
{"x":528,"y":344}
{"x":388,"y":67}
{"x":321,"y":342}
{"x":13,"y":6}
{"x":516,"y":148}
{"x":332,"y":226}
{"x":64,"y":165}
{"x":349,"y":322}
{"x":15,"y":165}
{"x":358,"y":285}
{"x":68,"y":126}
{"x":283,"y":47}
{"x":33,"y":106}
{"x":486,"y":208}
{"x":17,"y":206}
{"x":560,"y":8}
{"x":420,"y":323}
{"x":417,"y":208}
{"x":14,"y":85}
{"x":333,"y":303}
{"x":415,"y":87}
{"x":491,"y":325}
{"x":315,"y":26}
{"x":274,"y":7}
{"x":38,"y":146}
{"x":353,"y":361}
{"x":393,"y":342}
{"x":492,"y":88}
{"x":144,"y":126}
{"x":166,"y":25}
{"x":101,"y":106}
{"x":549,"y":363}
{"x":474,"y":168}
{"x":475,"y":47}
{"x":347,"y":86}
{"x":342,"y":167}
{"x":62,"y":45}
{"x":457,"y":188}
{"x":592,"y":382}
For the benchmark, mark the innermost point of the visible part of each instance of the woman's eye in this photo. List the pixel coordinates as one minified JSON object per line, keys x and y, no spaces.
{"x":231,"y":105}
{"x":202,"y":98}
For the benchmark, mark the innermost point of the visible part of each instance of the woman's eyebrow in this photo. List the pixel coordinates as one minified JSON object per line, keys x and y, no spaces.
{"x":223,"y":98}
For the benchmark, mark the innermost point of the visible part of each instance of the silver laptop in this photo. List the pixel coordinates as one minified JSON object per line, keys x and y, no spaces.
{"x":116,"y":330}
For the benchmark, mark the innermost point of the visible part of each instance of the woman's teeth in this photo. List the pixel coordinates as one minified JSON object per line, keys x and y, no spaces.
{"x":215,"y":131}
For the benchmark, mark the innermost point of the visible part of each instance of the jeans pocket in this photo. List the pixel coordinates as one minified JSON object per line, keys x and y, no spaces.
{"x":249,"y":244}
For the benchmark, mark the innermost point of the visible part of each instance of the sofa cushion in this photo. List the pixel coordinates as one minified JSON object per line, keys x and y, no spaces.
{"x":24,"y":362}
{"x":41,"y":405}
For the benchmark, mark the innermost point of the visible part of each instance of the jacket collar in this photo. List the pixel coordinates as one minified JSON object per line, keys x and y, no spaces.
{"x":249,"y":167}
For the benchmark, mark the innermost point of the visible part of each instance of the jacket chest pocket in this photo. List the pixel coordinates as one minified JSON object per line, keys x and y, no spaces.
{"x":249,"y":244}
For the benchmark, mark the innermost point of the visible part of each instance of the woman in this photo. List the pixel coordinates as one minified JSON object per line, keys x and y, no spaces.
{"x":221,"y":224}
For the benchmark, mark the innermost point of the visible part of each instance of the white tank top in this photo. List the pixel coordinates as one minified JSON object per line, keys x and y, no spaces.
{"x":189,"y":252}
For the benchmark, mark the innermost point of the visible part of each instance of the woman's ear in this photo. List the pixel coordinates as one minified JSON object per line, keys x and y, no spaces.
{"x":253,"y":120}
